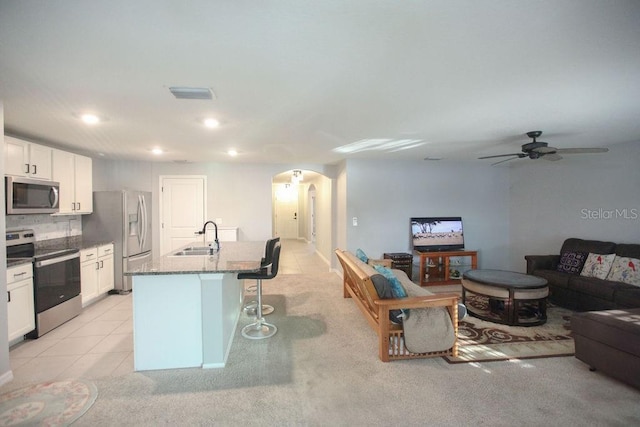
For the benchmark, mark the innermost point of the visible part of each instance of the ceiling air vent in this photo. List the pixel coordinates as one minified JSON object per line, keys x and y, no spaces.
{"x":191,"y":92}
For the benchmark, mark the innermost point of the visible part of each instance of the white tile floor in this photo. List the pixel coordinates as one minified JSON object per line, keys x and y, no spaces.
{"x":99,"y":342}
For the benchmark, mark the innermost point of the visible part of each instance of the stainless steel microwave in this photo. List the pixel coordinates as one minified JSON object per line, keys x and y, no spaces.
{"x":31,"y":196}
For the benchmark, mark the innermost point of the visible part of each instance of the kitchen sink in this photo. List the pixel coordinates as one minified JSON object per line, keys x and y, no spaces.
{"x":194,"y":251}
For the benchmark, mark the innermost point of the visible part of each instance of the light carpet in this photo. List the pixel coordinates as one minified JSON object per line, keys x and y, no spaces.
{"x":322,"y":368}
{"x":52,"y":404}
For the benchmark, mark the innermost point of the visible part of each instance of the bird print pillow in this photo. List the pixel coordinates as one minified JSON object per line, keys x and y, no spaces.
{"x":597,"y":265}
{"x":626,"y":270}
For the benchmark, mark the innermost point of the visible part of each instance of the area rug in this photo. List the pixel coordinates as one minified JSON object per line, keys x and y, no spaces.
{"x":481,"y":341}
{"x":48,"y":404}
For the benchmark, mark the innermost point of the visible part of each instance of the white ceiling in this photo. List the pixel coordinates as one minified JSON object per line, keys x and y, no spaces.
{"x":296,"y":79}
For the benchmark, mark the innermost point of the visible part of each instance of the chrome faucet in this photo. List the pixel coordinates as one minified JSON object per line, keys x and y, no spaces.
{"x":204,"y":237}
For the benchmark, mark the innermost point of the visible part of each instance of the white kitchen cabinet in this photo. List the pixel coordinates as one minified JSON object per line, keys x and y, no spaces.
{"x":96,"y":272}
{"x":23,"y":158}
{"x":106,"y":272}
{"x":75,"y":175}
{"x":21,"y":317}
{"x":89,"y":266}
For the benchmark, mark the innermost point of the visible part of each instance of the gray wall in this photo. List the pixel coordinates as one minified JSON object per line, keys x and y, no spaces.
{"x":585,"y":196}
{"x":383,"y":195}
{"x":240,"y":194}
{"x":5,"y":368}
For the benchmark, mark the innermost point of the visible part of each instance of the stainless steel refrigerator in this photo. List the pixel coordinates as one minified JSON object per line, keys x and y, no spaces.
{"x":123,"y":217}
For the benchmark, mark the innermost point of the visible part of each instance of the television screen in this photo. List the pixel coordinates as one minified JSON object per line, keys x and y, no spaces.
{"x":437,"y":234}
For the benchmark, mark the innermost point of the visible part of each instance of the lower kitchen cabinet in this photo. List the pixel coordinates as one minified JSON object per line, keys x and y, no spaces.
{"x":96,"y":272}
{"x":21,"y":317}
{"x":105,"y":273}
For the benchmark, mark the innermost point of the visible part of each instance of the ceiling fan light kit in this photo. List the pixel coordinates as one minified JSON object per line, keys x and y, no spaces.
{"x":539,"y":149}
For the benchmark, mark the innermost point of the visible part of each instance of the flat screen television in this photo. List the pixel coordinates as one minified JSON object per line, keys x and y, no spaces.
{"x":437,"y":234}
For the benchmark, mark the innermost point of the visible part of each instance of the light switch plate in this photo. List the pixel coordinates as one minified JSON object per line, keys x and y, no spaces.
{"x":355,"y":221}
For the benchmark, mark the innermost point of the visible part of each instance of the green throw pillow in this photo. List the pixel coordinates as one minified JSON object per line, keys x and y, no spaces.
{"x":397,"y":289}
{"x":360,"y":254}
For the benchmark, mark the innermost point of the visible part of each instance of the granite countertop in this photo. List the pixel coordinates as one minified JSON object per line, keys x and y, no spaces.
{"x":44,"y":246}
{"x":233,"y":257}
{"x":73,"y":242}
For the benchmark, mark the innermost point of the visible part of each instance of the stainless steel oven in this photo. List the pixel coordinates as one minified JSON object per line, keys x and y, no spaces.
{"x":56,"y":280}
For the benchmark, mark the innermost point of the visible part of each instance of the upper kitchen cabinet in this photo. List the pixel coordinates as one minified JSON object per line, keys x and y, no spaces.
{"x":74,"y":173}
{"x":27,"y":159}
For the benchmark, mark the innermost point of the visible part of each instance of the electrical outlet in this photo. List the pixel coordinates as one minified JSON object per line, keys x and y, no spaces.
{"x":355,"y":221}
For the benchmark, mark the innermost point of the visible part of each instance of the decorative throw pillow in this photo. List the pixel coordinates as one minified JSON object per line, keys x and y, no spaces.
{"x":360,"y":254}
{"x":597,"y":265}
{"x":626,"y":270}
{"x":383,"y":288}
{"x":572,"y":262}
{"x":397,"y":289}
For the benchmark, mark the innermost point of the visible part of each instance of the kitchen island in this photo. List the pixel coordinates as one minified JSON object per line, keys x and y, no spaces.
{"x":186,"y":308}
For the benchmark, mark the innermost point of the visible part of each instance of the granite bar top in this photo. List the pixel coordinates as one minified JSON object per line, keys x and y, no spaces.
{"x":233,"y":257}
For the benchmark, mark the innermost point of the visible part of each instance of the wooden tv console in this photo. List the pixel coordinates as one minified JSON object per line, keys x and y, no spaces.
{"x":437,"y":268}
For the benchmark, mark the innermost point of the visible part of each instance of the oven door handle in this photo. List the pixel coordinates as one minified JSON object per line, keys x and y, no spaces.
{"x":51,"y":261}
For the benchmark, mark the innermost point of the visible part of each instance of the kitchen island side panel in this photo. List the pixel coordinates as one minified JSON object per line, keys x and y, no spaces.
{"x":167,"y":322}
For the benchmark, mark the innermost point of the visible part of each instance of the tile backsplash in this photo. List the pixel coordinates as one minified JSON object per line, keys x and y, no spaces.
{"x":46,"y":226}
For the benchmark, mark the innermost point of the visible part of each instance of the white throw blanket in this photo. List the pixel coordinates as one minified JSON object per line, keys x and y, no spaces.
{"x":427,"y":329}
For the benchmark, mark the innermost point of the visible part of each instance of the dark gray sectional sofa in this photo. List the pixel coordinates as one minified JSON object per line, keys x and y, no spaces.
{"x":580,"y":293}
{"x":607,"y":332}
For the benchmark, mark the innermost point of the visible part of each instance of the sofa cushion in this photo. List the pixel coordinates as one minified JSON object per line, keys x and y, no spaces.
{"x":626,"y":270}
{"x":554,"y":277}
{"x":628,"y":250}
{"x":593,"y":246}
{"x":383,"y":288}
{"x":572,"y":262}
{"x":597,"y":265}
{"x":397,"y":289}
{"x":616,"y":328}
{"x":593,"y":286}
{"x":627,"y":297}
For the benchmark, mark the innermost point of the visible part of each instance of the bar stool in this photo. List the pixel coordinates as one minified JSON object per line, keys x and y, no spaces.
{"x":250,"y":307}
{"x":261,"y":329}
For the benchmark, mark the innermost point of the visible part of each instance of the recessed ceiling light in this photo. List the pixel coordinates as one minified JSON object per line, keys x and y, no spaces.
{"x":211,"y":123}
{"x":90,"y":119}
{"x":157,"y":151}
{"x":232,"y":152}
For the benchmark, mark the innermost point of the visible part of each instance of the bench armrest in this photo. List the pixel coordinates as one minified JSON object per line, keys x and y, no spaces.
{"x":541,"y":262}
{"x":384,"y":262}
{"x":438,"y":300}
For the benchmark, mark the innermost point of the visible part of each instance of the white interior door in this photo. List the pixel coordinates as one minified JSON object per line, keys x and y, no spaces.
{"x":182,"y":213}
{"x":286,"y":211}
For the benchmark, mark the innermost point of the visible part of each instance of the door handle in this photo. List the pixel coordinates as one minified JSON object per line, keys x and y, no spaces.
{"x":35,"y":169}
{"x":8,"y":296}
{"x":27,"y":165}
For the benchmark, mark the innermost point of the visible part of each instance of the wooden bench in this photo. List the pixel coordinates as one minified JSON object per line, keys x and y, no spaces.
{"x":358,"y":285}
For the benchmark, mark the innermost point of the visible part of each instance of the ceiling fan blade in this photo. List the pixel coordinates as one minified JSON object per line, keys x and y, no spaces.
{"x":505,"y":160}
{"x":551,"y":156}
{"x":582,"y":150}
{"x":503,"y":155}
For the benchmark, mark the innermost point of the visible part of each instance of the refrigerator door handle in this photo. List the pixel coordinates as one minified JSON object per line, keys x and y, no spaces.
{"x":144,"y":221}
{"x":139,"y":222}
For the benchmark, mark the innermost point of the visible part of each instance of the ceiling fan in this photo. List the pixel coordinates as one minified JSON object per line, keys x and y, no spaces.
{"x":538,"y":149}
